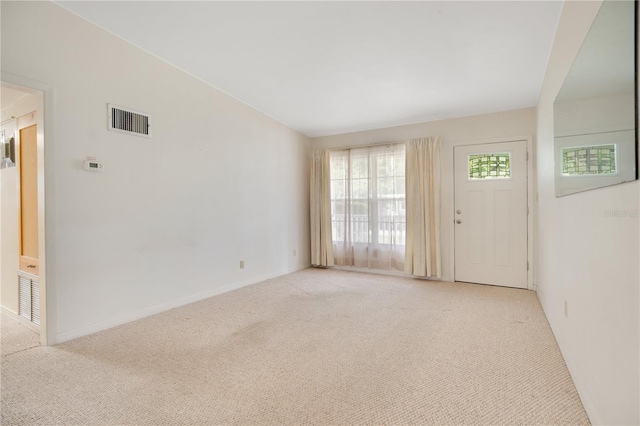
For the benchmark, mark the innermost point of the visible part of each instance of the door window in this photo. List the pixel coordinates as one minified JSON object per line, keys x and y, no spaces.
{"x":489,"y":166}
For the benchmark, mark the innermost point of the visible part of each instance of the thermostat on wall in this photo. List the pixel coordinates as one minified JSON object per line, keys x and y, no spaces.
{"x":91,"y":164}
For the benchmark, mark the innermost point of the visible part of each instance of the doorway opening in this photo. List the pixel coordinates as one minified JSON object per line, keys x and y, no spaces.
{"x":22,"y":219}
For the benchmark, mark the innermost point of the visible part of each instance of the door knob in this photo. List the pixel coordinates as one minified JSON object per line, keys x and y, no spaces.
{"x":459,"y":211}
{"x":458,"y":221}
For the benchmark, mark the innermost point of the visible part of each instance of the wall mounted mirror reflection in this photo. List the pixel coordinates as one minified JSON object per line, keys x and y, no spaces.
{"x":7,"y":149}
{"x":595,"y":126}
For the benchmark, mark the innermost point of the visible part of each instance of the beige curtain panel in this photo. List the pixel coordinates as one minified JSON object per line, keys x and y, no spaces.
{"x":320,"y":194}
{"x":423,"y":177}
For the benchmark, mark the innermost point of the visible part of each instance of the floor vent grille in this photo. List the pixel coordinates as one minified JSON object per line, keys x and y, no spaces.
{"x":29,"y":299}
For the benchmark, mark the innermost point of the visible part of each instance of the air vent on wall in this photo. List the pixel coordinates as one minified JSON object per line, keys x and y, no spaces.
{"x":129,"y":121}
{"x":29,"y":299}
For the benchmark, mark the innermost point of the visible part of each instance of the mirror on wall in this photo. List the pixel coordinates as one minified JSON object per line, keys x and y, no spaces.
{"x":595,"y":128}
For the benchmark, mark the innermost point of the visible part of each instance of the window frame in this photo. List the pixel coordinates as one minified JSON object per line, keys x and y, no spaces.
{"x":373,"y":200}
{"x":490,"y":179}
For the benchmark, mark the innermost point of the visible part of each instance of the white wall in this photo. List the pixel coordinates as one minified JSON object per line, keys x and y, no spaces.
{"x":169,"y":218}
{"x":588,"y":258}
{"x":595,"y":115}
{"x":482,"y":128}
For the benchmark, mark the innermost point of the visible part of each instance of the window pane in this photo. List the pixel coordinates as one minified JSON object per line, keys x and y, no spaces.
{"x":384,"y":232}
{"x":399,"y":163}
{"x":386,"y":188}
{"x":360,"y":188}
{"x":392,"y":232}
{"x":337,"y":230}
{"x":391,"y":222}
{"x":338,"y":189}
{"x":360,"y":207}
{"x":400,"y":182}
{"x":338,"y":207}
{"x":367,"y":193}
{"x":589,"y":160}
{"x":490,"y":166}
{"x":389,"y":210}
{"x":360,"y":226}
{"x":385,"y":165}
{"x":359,"y":167}
{"x":337,"y":167}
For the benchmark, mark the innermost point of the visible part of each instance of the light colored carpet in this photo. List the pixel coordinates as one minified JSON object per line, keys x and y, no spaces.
{"x":16,"y":337}
{"x":314,"y":347}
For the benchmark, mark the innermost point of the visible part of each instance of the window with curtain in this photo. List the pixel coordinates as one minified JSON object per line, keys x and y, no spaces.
{"x":368,"y":206}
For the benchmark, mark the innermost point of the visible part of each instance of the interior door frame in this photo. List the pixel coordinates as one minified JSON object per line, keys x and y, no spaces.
{"x":530,"y":201}
{"x":46,"y":214}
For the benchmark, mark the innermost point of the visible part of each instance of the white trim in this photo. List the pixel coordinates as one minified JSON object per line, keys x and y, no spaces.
{"x":386,"y":272}
{"x":585,"y":397}
{"x":530,"y":211}
{"x":28,"y":275}
{"x":9,"y":312}
{"x":373,"y":145}
{"x":592,"y":131}
{"x":22,"y":321}
{"x":152,"y":310}
{"x":530,"y":180}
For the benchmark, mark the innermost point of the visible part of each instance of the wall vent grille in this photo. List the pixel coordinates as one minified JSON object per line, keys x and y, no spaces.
{"x":128,"y":121}
{"x":25,"y":298}
{"x":29,"y":299}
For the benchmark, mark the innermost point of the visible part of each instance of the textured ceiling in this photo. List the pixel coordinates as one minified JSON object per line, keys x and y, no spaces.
{"x":334,"y":67}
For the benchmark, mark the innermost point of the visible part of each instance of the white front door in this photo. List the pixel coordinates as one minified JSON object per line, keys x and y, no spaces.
{"x":490,"y":214}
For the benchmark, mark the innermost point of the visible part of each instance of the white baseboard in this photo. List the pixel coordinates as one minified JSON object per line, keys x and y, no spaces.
{"x":152,"y":310}
{"x":9,"y":312}
{"x":21,"y":320}
{"x":392,"y":273}
{"x":587,"y":403}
